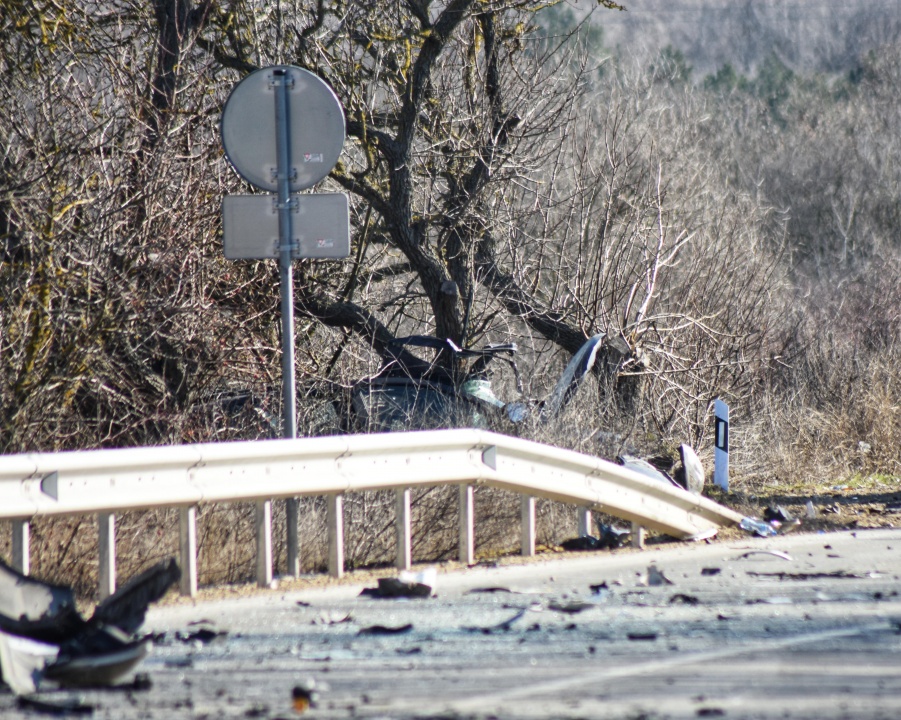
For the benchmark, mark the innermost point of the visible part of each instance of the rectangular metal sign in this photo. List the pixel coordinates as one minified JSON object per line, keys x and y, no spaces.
{"x":320,"y":226}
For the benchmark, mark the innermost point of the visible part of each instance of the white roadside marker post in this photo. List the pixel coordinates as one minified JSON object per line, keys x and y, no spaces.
{"x":721,"y":444}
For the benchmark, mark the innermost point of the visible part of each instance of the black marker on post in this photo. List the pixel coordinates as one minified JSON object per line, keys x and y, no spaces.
{"x":721,"y":444}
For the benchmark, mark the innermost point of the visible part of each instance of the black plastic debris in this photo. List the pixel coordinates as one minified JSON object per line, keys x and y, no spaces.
{"x":778,"y":513}
{"x":416,"y":650}
{"x":710,"y":712}
{"x":504,"y":626}
{"x":126,"y":608}
{"x":570,"y":608}
{"x":386,"y":630}
{"x":42,"y":635}
{"x":683,"y":599}
{"x":612,"y":537}
{"x":96,"y":666}
{"x":602,"y":590}
{"x":780,"y":519}
{"x":59,"y":708}
{"x":205,"y":636}
{"x":489,"y":590}
{"x":642,"y":636}
{"x":710,"y":571}
{"x":396,"y":588}
{"x":609,"y":537}
{"x":584,"y":542}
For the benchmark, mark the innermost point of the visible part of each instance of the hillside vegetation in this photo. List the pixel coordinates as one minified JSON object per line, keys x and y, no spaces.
{"x":732,"y":217}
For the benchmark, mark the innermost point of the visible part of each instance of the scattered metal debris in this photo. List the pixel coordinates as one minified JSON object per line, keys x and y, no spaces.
{"x":415,"y":650}
{"x":774,"y":553}
{"x":504,"y":626}
{"x":647,"y":469}
{"x":838,"y":574}
{"x":758,"y":527}
{"x":303,"y":697}
{"x":334,"y":618}
{"x":691,"y":475}
{"x":43,"y":637}
{"x":656,"y":577}
{"x":570,"y":608}
{"x":781,"y":520}
{"x":778,"y":513}
{"x":708,"y":535}
{"x":611,"y":536}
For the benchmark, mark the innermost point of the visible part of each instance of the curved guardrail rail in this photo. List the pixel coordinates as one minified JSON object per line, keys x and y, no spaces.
{"x":108,"y":481}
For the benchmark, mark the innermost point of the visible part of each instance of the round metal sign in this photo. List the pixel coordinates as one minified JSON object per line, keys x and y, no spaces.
{"x":315,"y":123}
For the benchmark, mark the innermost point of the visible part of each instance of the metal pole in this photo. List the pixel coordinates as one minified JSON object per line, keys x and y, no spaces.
{"x":286,"y":247}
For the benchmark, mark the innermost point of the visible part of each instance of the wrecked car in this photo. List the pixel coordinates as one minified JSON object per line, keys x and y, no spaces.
{"x":414,"y":393}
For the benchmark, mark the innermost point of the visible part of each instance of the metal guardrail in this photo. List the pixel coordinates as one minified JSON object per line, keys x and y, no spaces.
{"x":109,"y":481}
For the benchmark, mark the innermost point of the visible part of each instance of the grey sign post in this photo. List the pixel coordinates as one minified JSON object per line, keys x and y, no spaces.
{"x":283,"y":131}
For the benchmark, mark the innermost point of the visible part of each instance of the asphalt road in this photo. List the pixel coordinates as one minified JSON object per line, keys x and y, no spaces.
{"x":813,"y":633}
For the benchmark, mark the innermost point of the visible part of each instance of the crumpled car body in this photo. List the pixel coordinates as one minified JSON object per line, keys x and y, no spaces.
{"x":427,"y":396}
{"x":44,"y":637}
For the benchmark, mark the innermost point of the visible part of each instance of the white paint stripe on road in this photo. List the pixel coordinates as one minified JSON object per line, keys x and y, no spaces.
{"x":483,"y":702}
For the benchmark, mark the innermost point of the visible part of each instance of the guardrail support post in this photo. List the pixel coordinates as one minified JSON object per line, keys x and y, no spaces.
{"x":467,"y":525}
{"x":291,"y":520}
{"x":584,"y":519}
{"x":402,"y":525}
{"x":527,"y":513}
{"x":106,"y":573}
{"x":263,"y":521}
{"x":637,"y":536}
{"x":21,"y":546}
{"x":187,"y":550}
{"x":336,"y":535}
